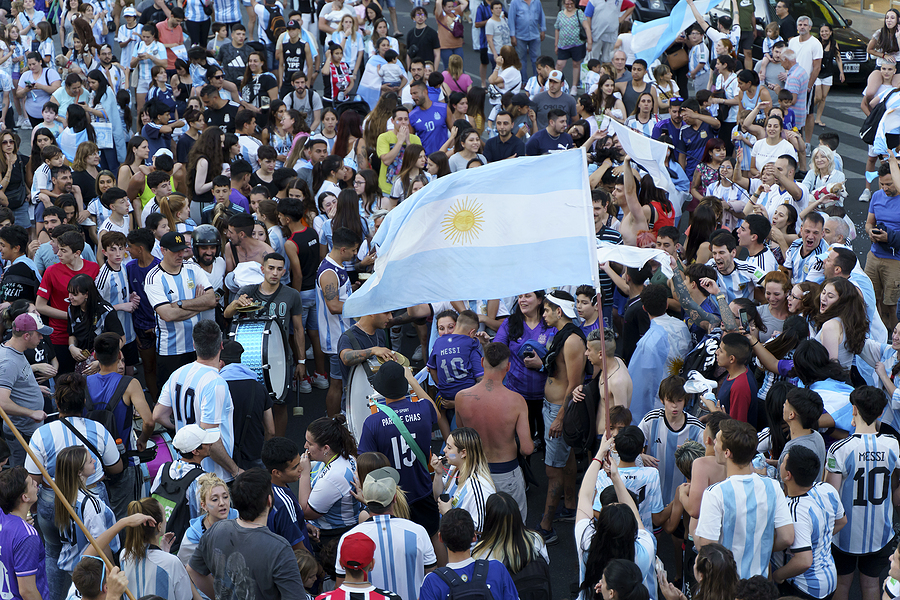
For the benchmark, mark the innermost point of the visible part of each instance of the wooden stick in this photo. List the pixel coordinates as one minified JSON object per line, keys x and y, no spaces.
{"x":605,"y":395}
{"x":61,"y":496}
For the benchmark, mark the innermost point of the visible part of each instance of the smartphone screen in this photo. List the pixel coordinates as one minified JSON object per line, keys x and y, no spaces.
{"x":745,"y":319}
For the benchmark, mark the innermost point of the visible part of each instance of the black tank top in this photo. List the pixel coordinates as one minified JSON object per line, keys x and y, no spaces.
{"x":294,"y":59}
{"x":307,"y":243}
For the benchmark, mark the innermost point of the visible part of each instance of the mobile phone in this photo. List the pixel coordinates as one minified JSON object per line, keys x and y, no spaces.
{"x":445,"y":461}
{"x":745,"y":319}
{"x":445,"y":497}
{"x":528,"y":354}
{"x":880,"y":226}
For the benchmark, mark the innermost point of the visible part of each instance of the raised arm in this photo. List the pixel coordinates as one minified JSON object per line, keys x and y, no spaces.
{"x":634,"y":206}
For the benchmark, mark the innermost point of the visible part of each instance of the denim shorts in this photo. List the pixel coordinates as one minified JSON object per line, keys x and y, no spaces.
{"x":334,"y":366}
{"x":556,"y":450}
{"x":310,"y":321}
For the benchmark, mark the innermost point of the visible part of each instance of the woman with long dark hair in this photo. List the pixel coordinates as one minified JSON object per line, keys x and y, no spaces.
{"x":347,"y":215}
{"x":831,"y":66}
{"x":325,"y":487}
{"x":504,"y":536}
{"x":777,"y":286}
{"x":716,"y":572}
{"x":103,"y":107}
{"x":12,"y":178}
{"x":438,"y":164}
{"x":137,"y":152}
{"x":842,"y":324}
{"x":258,"y":88}
{"x":204,"y":164}
{"x":89,"y":316}
{"x":707,"y":171}
{"x":78,"y":129}
{"x":327,"y":174}
{"x":349,"y":132}
{"x":885,"y":43}
{"x":784,"y":228}
{"x":41,"y":138}
{"x":794,"y":330}
{"x":697,"y":248}
{"x":365,"y":184}
{"x":528,"y":336}
{"x":275,"y":133}
{"x":773,"y":438}
{"x":414,"y":162}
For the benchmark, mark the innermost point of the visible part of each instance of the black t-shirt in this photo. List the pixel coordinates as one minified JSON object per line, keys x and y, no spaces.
{"x":495,"y":149}
{"x":270,"y":185}
{"x":363,"y":339}
{"x":788,"y":28}
{"x":250,"y":400}
{"x":152,"y":16}
{"x":283,"y":304}
{"x":19,"y":281}
{"x":222,"y":117}
{"x":86,"y":182}
{"x":307,"y":243}
{"x":85,"y":332}
{"x":256,"y":92}
{"x":637,"y":322}
{"x":421,"y":43}
{"x":183,"y":147}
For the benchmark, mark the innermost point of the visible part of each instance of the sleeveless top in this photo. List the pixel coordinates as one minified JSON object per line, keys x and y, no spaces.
{"x":147,"y":195}
{"x":828,"y":60}
{"x":845,"y":356}
{"x":630,"y":97}
{"x":708,"y":176}
{"x":207,"y":196}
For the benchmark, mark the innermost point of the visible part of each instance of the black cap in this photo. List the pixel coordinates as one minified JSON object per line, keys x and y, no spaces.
{"x":174,"y":242}
{"x":293,"y":24}
{"x":231,"y":352}
{"x":521,"y":99}
{"x":390,"y":381}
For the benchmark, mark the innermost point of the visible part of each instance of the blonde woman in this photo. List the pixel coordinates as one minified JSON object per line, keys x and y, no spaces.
{"x":825,"y":183}
{"x":505,"y":537}
{"x":177,"y":211}
{"x":215,"y":502}
{"x":467,"y":482}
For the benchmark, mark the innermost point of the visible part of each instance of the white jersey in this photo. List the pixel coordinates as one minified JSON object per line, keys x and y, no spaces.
{"x":742,"y":513}
{"x":197,"y":394}
{"x":644,"y":482}
{"x":159,"y":573}
{"x":814,"y":514}
{"x":644,"y":553}
{"x":404,"y":551}
{"x":249,"y":150}
{"x":742,"y":280}
{"x":801,"y":266}
{"x":108,"y":225}
{"x":162,"y":287}
{"x":330,"y":495}
{"x":471,"y":496}
{"x":662,"y":441}
{"x":866,"y":463}
{"x":114,"y":288}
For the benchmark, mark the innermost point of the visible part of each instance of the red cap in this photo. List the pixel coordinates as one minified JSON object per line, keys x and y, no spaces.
{"x":357,"y":551}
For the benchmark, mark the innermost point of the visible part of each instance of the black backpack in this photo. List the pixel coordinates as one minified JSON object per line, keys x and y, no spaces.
{"x":475,"y":588}
{"x":104,"y":415}
{"x":533,"y":581}
{"x":172,"y":496}
{"x":870,"y":125}
{"x":579,"y":426}
{"x":277,"y":25}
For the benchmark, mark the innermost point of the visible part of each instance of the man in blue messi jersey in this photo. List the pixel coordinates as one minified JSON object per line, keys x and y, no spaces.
{"x":21,"y":549}
{"x":746,"y":513}
{"x":807,"y":570}
{"x":428,"y":119}
{"x":865,"y":468}
{"x":282,"y":459}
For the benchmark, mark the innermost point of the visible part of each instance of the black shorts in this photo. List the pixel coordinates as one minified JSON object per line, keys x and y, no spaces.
{"x":870,"y":565}
{"x":484,"y":56}
{"x":425,"y":512}
{"x":131,"y":354}
{"x":146,"y":339}
{"x":746,"y":41}
{"x":576,"y":53}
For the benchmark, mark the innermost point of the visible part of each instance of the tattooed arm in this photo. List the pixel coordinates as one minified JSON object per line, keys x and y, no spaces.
{"x":355,"y":357}
{"x":329,"y":282}
{"x":694,"y":312}
{"x":729,"y":323}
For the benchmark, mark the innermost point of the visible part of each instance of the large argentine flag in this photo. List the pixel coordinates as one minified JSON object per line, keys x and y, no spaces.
{"x":650,"y":40}
{"x":506,"y":228}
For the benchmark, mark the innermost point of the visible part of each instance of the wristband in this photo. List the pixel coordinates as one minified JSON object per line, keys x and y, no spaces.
{"x":597,"y":459}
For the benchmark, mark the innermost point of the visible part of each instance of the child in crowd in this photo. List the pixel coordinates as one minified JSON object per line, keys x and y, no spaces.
{"x":221,"y":192}
{"x":160,"y":186}
{"x":786,"y":101}
{"x":737,"y":394}
{"x":52,"y":120}
{"x":42,"y":195}
{"x":116,"y":200}
{"x":158,"y":132}
{"x":159,"y":225}
{"x":590,"y":76}
{"x":455,"y":361}
{"x":112,"y":283}
{"x":772,"y":37}
{"x":392,"y":74}
{"x":221,"y":36}
{"x":586,"y":305}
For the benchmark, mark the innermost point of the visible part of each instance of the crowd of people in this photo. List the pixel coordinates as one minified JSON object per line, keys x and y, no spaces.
{"x":190,"y":178}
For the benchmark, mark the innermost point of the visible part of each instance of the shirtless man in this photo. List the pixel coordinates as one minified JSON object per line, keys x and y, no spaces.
{"x":564,"y":364}
{"x":704,"y":472}
{"x":242,"y":243}
{"x":636,"y":218}
{"x":498,"y":414}
{"x":619,"y":379}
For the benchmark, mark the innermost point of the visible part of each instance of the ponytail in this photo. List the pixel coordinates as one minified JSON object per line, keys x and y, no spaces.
{"x":333,"y":432}
{"x":138,"y":538}
{"x":70,"y":393}
{"x":626,"y":579}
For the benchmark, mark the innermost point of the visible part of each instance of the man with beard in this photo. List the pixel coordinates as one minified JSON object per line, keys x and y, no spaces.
{"x":280,"y":302}
{"x":416,"y":73}
{"x":206,"y":246}
{"x":241,"y":246}
{"x":113,"y":72}
{"x":45,"y":253}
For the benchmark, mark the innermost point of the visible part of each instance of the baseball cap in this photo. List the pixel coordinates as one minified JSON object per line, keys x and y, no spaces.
{"x":521,"y":99}
{"x":390,"y":381}
{"x":293,"y":24}
{"x":31,"y":322}
{"x":174,"y":242}
{"x":190,"y":437}
{"x":129,"y":12}
{"x":380,"y":487}
{"x":231,"y":352}
{"x":357,"y":551}
{"x":567,"y":306}
{"x":167,"y":152}
{"x":555,"y":75}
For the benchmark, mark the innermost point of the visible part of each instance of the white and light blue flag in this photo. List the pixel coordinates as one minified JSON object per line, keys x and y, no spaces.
{"x":502,"y":229}
{"x":650,"y":155}
{"x":650,"y":40}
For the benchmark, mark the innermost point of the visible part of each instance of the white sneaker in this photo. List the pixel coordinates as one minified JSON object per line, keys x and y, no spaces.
{"x":310,"y":355}
{"x":417,"y":355}
{"x":304,"y":387}
{"x":24,"y":123}
{"x":865,"y":196}
{"x":808,"y":151}
{"x":320,"y":381}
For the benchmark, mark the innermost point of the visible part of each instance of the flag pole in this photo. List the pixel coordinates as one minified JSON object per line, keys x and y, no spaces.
{"x":61,"y":496}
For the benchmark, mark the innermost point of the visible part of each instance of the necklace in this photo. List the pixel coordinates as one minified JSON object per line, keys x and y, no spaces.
{"x":418,"y":35}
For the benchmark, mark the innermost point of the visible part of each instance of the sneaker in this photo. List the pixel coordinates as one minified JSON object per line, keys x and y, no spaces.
{"x":550,"y":536}
{"x":865,"y":196}
{"x":304,"y":386}
{"x":564,"y":515}
{"x":320,"y":381}
{"x":24,"y":123}
{"x":310,"y":355}
{"x":417,"y":355}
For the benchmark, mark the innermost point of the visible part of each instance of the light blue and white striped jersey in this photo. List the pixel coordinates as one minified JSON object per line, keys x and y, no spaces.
{"x":41,"y":181}
{"x":198,"y":73}
{"x":249,"y":150}
{"x":403,"y":550}
{"x":155,"y":49}
{"x":159,"y":573}
{"x":161,"y":287}
{"x":662,"y":441}
{"x":97,"y":518}
{"x":814,"y":514}
{"x":114,"y":288}
{"x":644,"y":553}
{"x":836,"y":398}
{"x":178,"y":469}
{"x":330,"y":495}
{"x":699,"y":54}
{"x":227,"y":11}
{"x":742,"y":280}
{"x":742,"y":513}
{"x":645,"y":128}
{"x":866,"y":463}
{"x":197,"y":394}
{"x":131,"y":37}
{"x":471,"y":497}
{"x":643,"y":481}
{"x":801,"y":266}
{"x":331,"y":326}
{"x":52,"y":438}
{"x":101,"y":213}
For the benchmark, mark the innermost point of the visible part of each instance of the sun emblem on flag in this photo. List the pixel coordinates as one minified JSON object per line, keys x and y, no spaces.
{"x":463,"y":222}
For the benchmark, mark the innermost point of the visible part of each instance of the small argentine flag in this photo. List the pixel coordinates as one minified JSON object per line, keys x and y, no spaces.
{"x":507,"y":228}
{"x":650,"y":40}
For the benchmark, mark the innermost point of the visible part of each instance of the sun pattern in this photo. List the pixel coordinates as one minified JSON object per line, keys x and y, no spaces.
{"x":463,"y":222}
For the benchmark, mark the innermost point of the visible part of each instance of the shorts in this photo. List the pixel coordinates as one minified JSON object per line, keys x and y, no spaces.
{"x":131,"y":354}
{"x":425,"y":512}
{"x":143,"y":86}
{"x":825,"y":81}
{"x":146,"y":339}
{"x":576,"y":53}
{"x":872,"y":151}
{"x":308,"y":300}
{"x":484,"y":56}
{"x":746,"y":41}
{"x":334,"y":366}
{"x":870,"y":565}
{"x":556,"y":452}
{"x":388,"y":3}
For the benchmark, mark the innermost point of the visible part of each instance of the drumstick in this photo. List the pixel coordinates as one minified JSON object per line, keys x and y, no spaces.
{"x":62,"y":497}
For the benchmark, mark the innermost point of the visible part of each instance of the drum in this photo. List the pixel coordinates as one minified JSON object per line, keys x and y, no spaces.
{"x":265,"y":353}
{"x":160,"y":451}
{"x":359,"y":394}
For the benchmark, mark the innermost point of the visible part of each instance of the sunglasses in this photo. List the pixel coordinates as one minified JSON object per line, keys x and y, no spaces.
{"x":218,"y":76}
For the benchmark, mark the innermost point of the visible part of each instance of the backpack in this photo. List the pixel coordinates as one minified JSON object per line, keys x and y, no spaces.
{"x":475,"y":588}
{"x":579,"y":426}
{"x":172,"y":496}
{"x":105,"y":415}
{"x":276,"y":25}
{"x":870,"y":125}
{"x":533,"y":581}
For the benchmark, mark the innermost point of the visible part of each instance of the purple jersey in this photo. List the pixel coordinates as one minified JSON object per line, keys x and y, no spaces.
{"x":457,"y":360}
{"x":379,"y":434}
{"x":22,"y":555}
{"x":521,"y":379}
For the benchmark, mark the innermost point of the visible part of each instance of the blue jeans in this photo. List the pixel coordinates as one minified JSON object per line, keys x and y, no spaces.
{"x":445,"y":56}
{"x":528,"y":50}
{"x":58,"y":581}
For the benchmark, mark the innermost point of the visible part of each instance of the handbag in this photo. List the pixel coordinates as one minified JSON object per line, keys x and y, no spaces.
{"x":676,"y":56}
{"x":457,"y":30}
{"x":104,"y":133}
{"x":582,"y":34}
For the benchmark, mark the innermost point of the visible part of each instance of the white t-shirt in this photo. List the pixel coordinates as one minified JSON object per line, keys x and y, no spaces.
{"x":764,"y":154}
{"x":644,"y":553}
{"x":807,"y":52}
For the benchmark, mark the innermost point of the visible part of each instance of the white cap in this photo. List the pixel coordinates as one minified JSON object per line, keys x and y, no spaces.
{"x":555,"y":75}
{"x":190,"y":437}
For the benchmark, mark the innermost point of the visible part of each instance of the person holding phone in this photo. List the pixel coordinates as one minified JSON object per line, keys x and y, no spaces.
{"x":883,"y":228}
